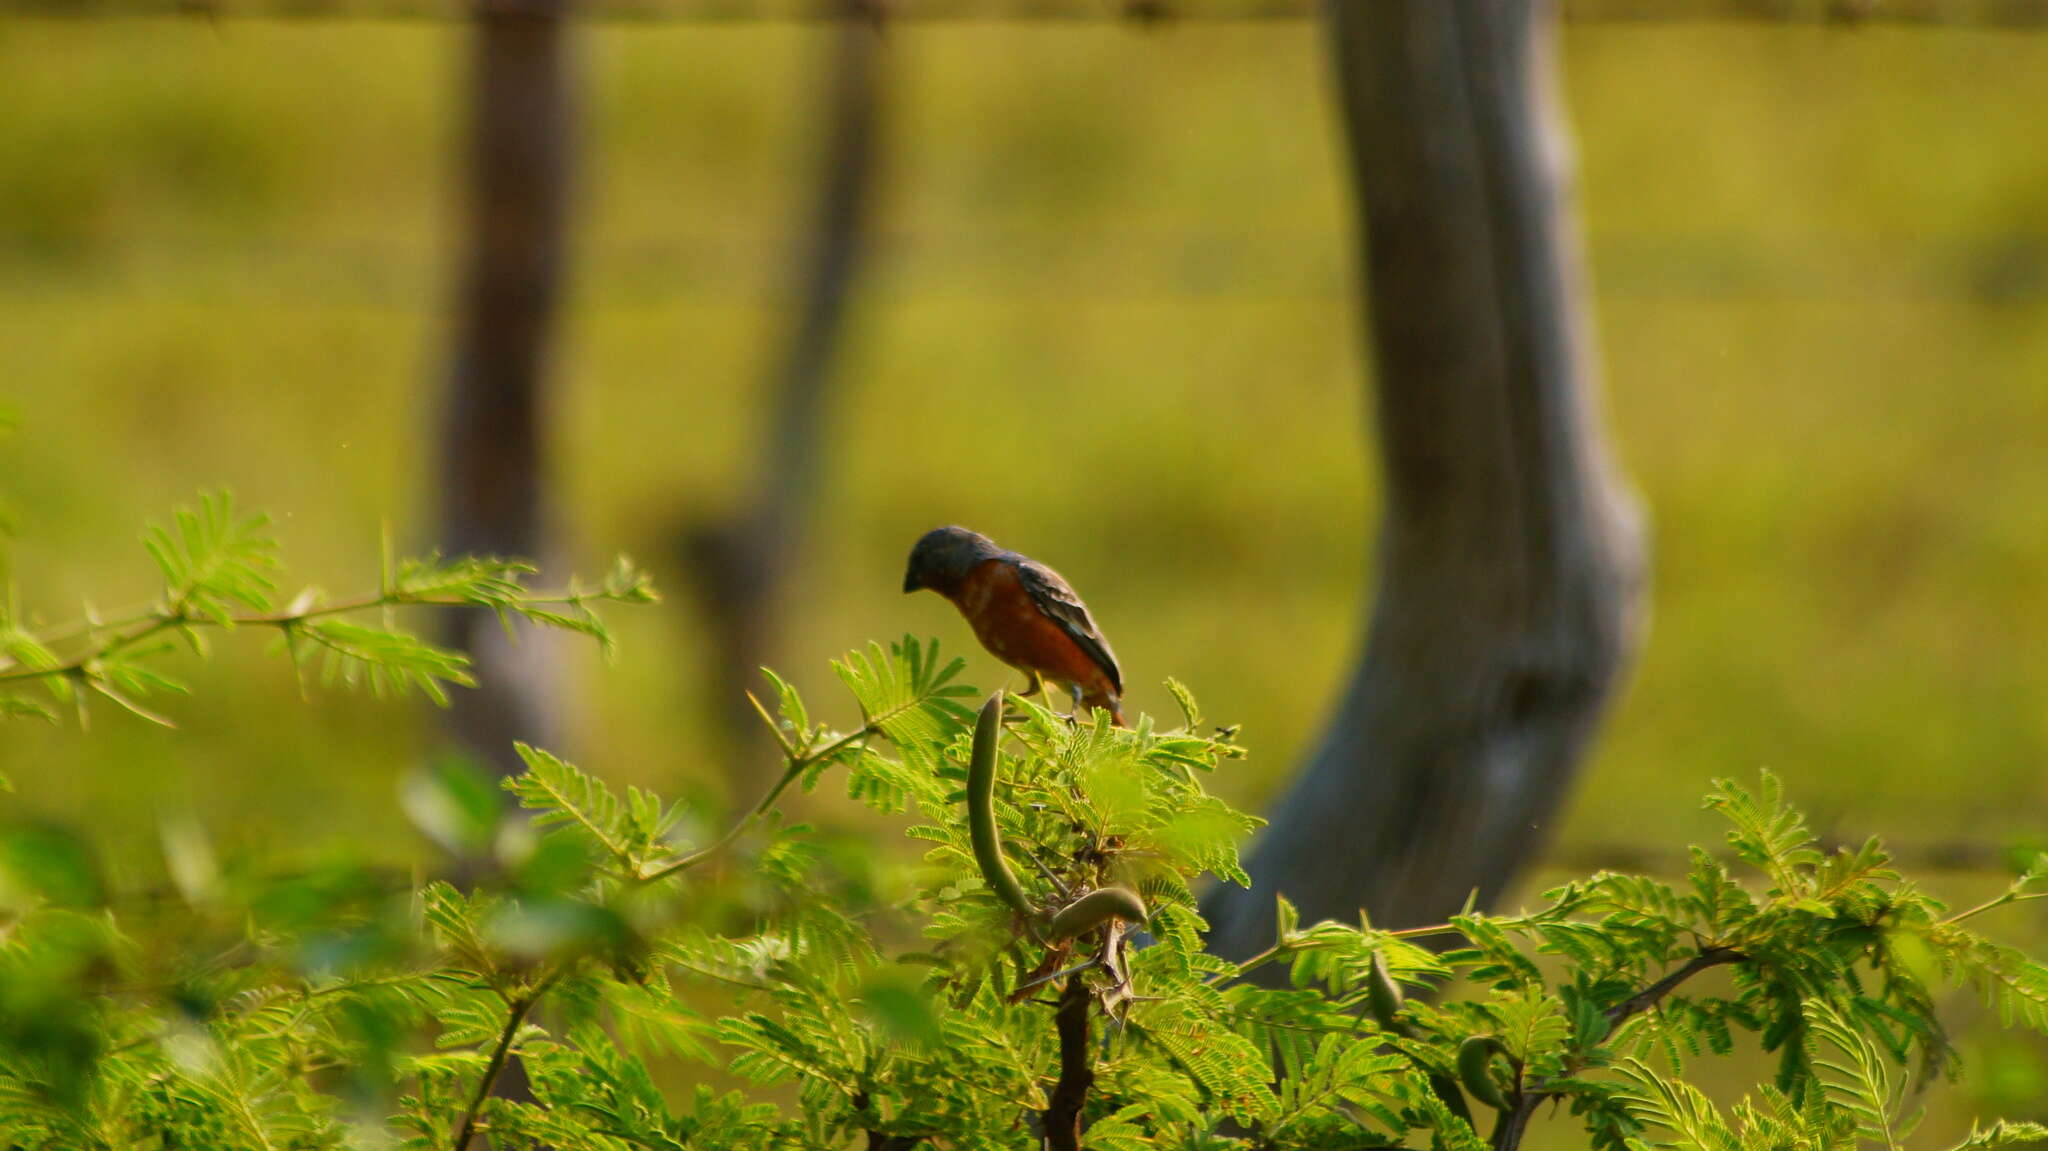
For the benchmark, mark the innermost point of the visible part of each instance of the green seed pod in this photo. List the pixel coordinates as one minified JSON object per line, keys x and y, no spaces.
{"x":1094,"y":908}
{"x":1474,"y":1057}
{"x":1446,"y":1089}
{"x":981,"y":809}
{"x":1382,"y":994}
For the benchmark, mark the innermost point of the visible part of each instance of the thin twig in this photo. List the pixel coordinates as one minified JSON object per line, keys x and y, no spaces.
{"x":1514,"y":1122}
{"x":1650,"y":996}
{"x":521,"y":1006}
{"x":797,"y":766}
{"x":1035,"y":984}
{"x":160,"y":622}
{"x":1289,"y":946}
{"x":1995,"y":903}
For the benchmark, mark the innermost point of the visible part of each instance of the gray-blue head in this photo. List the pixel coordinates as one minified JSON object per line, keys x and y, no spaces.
{"x":944,"y":556}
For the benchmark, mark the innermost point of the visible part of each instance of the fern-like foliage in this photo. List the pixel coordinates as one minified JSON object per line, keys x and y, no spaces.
{"x":214,"y":560}
{"x":220,"y":570}
{"x":856,"y":1004}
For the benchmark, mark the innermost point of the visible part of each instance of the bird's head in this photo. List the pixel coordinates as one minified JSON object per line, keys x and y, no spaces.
{"x":944,"y":556}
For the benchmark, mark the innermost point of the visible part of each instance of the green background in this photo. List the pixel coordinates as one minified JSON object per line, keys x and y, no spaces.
{"x":1107,"y":322}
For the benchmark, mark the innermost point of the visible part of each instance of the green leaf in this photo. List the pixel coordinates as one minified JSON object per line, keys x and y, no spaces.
{"x":15,"y":707}
{"x":1769,"y":834}
{"x":480,"y":581}
{"x":567,"y":796}
{"x":1854,"y":1074}
{"x":909,"y":696}
{"x":901,"y":1007}
{"x":212,"y":559}
{"x":2004,"y":1133}
{"x":455,"y":804}
{"x":189,"y":856}
{"x":1191,"y":712}
{"x":1679,"y":1108}
{"x":626,"y":583}
{"x":44,"y":862}
{"x":388,"y":662}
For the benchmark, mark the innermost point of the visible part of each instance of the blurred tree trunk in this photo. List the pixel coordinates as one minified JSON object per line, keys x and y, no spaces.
{"x":491,"y":442}
{"x":741,"y":565}
{"x":1510,"y":560}
{"x":491,"y":437}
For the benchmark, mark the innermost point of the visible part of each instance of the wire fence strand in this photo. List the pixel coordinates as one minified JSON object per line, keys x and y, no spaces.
{"x":1981,"y":14}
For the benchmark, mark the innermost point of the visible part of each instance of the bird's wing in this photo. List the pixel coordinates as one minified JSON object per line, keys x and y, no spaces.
{"x":1058,"y":601}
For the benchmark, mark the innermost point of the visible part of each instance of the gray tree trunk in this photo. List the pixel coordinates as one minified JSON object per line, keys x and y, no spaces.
{"x":741,"y":566}
{"x":1510,"y":561}
{"x":492,"y":430}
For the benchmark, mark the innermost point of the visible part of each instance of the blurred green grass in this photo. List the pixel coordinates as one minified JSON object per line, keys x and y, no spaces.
{"x":1107,"y":322}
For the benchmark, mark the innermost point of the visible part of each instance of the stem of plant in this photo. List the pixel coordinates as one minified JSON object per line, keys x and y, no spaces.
{"x":1508,"y":1132}
{"x":157,"y":623}
{"x":797,"y":766}
{"x":521,"y":1007}
{"x":1995,"y":903}
{"x":1289,"y":947}
{"x":1062,"y":1116}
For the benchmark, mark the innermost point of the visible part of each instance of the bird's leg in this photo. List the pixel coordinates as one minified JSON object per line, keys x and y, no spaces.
{"x":1033,"y":683}
{"x":1075,"y":715}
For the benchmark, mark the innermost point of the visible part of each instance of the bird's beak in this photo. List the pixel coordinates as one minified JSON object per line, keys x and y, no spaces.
{"x":910,"y":583}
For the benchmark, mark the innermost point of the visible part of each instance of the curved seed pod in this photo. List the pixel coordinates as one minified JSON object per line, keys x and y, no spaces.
{"x":1446,"y":1089}
{"x":1092,"y":909}
{"x":981,"y":810}
{"x":1383,"y":995}
{"x":1474,"y":1055}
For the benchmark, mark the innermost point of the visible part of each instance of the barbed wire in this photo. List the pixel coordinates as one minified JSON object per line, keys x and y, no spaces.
{"x":1992,"y":14}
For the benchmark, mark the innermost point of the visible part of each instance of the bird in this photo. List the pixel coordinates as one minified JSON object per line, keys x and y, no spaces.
{"x":1023,"y":612}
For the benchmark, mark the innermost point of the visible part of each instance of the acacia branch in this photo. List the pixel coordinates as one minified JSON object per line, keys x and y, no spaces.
{"x":521,"y":1008}
{"x":1288,"y":947}
{"x":881,"y":1140}
{"x":797,"y":765}
{"x":156,"y":623}
{"x":1650,"y":996}
{"x":1062,"y":1116}
{"x":1514,"y":1122}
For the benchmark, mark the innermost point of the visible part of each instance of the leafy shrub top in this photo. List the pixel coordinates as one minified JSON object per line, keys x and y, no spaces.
{"x":769,"y":987}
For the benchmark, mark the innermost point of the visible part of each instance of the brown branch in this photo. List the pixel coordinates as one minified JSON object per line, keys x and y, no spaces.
{"x":882,"y":1141}
{"x":520,"y":1008}
{"x":1077,"y":1070}
{"x":1650,"y":996}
